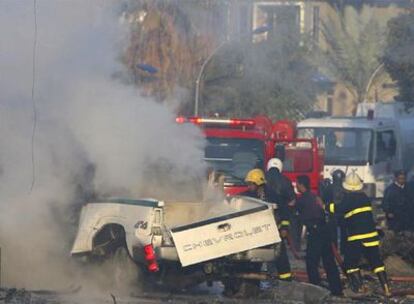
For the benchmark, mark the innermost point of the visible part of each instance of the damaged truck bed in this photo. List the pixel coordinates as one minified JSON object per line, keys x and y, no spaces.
{"x":218,"y":239}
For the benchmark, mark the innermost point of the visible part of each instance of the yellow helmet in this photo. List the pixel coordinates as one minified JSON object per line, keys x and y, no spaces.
{"x":353,"y":182}
{"x":255,"y":176}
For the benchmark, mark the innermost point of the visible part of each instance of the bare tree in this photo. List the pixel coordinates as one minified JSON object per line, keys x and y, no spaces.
{"x":173,"y":37}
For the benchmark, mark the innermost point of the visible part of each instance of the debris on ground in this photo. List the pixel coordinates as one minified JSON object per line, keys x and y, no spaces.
{"x":399,"y":244}
{"x":276,"y":292}
{"x":18,"y":296}
{"x":396,"y":266}
{"x":298,"y":292}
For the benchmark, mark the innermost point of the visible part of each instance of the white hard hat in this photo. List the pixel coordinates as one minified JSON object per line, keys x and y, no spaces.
{"x":353,"y":182}
{"x":275,"y":163}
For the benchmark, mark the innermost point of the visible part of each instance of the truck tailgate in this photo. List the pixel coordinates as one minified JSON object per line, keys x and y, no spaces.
{"x":224,"y":235}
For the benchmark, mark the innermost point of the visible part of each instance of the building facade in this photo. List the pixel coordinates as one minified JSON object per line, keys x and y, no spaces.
{"x":308,"y":19}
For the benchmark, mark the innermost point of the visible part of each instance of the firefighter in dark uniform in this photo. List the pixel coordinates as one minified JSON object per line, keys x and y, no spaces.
{"x":279,"y":190}
{"x":312,"y":215}
{"x":362,"y":236}
{"x":333,"y":193}
{"x":318,"y":240}
{"x":239,"y":288}
{"x":410,"y":191}
{"x":256,"y":184}
{"x":255,"y":180}
{"x":396,"y":204}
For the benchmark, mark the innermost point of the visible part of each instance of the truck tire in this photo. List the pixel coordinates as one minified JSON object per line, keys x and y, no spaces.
{"x":173,"y":278}
{"x":110,"y":256}
{"x":239,"y":288}
{"x":242,"y":288}
{"x":126,"y":275}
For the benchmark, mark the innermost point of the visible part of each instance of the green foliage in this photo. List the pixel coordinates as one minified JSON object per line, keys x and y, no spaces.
{"x":399,"y":54}
{"x":271,"y":78}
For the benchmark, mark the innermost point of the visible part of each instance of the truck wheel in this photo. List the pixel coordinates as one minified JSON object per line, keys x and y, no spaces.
{"x":173,"y":279}
{"x":237,"y":288}
{"x":242,"y":288}
{"x":249,"y":289}
{"x":126,"y":275}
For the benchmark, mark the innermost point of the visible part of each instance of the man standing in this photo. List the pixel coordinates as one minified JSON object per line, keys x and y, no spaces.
{"x":362,"y":236}
{"x":333,"y":193}
{"x":279,"y":190}
{"x":239,"y":288}
{"x":319,"y":247}
{"x":256,"y":184}
{"x":410,"y":193}
{"x":396,"y":204}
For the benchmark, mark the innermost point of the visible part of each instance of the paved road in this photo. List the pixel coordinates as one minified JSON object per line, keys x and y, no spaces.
{"x":284,"y":293}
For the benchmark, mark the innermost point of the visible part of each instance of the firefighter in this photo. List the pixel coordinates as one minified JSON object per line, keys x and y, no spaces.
{"x":279,"y":190}
{"x":256,"y":184}
{"x":396,"y":204}
{"x":410,"y":191}
{"x":333,"y":193}
{"x":362,"y":236}
{"x":240,"y":288}
{"x":279,"y":183}
{"x":318,"y":239}
{"x":255,"y":180}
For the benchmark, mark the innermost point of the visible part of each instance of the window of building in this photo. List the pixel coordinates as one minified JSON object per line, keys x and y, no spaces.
{"x":243,"y":20}
{"x":285,"y":19}
{"x":315,"y":28}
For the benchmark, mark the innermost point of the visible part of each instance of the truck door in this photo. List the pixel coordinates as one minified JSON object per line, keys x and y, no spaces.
{"x":301,"y":157}
{"x":386,"y":157}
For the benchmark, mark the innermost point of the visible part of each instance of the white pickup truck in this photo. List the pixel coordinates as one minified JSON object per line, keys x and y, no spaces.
{"x":218,"y":240}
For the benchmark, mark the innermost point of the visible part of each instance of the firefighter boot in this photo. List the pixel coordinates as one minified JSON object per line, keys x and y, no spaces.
{"x":355,"y":280}
{"x":287,"y":277}
{"x":363,"y":288}
{"x":382,"y":276}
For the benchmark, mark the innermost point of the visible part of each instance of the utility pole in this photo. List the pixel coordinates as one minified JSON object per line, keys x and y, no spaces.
{"x":259,"y":30}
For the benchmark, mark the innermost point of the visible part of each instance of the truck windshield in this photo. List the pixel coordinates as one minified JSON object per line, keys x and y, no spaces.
{"x":234,"y":157}
{"x":350,"y":146}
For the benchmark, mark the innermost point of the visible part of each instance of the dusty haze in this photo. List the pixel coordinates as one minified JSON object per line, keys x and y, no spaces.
{"x":94,"y":136}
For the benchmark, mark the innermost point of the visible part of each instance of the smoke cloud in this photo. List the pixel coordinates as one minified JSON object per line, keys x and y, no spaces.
{"x":95,"y":135}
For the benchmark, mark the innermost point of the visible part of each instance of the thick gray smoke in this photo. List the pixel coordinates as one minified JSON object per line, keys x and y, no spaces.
{"x":94,"y":135}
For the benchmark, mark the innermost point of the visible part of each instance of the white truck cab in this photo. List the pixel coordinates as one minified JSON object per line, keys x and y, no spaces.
{"x":376,"y":142}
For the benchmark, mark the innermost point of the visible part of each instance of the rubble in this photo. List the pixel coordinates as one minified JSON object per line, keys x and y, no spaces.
{"x":396,"y":266}
{"x":20,"y":296}
{"x":296,"y":292}
{"x":398,"y":252}
{"x":277,"y":292}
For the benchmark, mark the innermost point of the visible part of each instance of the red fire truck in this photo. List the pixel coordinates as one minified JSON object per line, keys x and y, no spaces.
{"x":235,"y":146}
